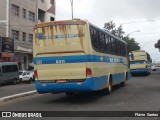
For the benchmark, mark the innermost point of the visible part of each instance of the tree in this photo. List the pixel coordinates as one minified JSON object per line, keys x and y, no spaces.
{"x":118,"y":32}
{"x":132,"y":44}
{"x":157,"y":45}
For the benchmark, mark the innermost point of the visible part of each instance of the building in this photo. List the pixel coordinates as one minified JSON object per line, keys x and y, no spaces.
{"x":17,"y":20}
{"x":46,"y":10}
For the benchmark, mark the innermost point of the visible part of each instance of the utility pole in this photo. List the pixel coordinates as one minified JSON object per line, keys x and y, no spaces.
{"x":72,"y":7}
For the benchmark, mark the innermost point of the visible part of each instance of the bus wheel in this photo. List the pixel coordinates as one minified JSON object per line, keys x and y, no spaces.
{"x":108,"y":90}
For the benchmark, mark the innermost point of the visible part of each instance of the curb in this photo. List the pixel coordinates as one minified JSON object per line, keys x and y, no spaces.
{"x":11,"y":97}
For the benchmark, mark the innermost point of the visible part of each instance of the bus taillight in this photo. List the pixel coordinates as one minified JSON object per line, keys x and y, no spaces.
{"x":35,"y":74}
{"x":88,"y":72}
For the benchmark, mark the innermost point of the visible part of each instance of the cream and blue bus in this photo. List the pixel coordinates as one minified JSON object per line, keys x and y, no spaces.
{"x":140,"y":62}
{"x":76,"y":56}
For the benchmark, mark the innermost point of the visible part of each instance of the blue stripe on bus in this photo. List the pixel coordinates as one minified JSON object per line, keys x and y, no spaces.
{"x":76,"y":59}
{"x":90,"y":84}
{"x":40,"y":36}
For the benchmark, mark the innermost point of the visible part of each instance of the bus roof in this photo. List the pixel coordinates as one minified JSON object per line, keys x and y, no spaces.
{"x":62,"y":22}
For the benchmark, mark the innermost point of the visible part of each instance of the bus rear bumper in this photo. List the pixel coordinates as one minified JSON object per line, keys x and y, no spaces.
{"x":145,"y":70}
{"x":90,"y":84}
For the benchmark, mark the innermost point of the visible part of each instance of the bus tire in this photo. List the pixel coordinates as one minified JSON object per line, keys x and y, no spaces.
{"x":108,"y":90}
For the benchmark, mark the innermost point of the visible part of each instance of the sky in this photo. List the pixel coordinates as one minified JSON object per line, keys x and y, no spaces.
{"x":134,"y":15}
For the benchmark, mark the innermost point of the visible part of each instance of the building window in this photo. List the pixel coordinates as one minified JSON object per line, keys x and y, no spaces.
{"x":24,"y":36}
{"x":52,"y":2}
{"x":51,"y":18}
{"x":24,"y":13}
{"x":14,"y":34}
{"x":14,"y":10}
{"x":30,"y":38}
{"x":31,"y":16}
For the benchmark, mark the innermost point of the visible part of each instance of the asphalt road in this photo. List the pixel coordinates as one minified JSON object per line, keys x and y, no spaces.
{"x":142,"y":93}
{"x":9,"y":89}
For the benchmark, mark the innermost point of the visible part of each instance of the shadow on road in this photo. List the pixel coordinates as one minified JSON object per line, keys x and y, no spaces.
{"x":140,"y":75}
{"x":85,"y":97}
{"x":153,"y":73}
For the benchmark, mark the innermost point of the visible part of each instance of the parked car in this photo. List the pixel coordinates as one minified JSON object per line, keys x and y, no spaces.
{"x":31,"y":70}
{"x":155,"y":67}
{"x":32,"y":73}
{"x":25,"y":76}
{"x":9,"y":72}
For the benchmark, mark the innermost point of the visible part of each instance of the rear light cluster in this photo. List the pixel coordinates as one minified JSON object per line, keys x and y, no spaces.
{"x":35,"y":74}
{"x":88,"y":72}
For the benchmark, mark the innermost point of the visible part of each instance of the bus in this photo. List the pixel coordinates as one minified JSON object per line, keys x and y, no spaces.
{"x":140,"y":62}
{"x":73,"y":56}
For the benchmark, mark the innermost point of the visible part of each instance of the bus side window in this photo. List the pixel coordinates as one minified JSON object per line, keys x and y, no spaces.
{"x":98,"y":40}
{"x":94,"y":38}
{"x":122,"y":49}
{"x":109,"y":44}
{"x":126,"y":50}
{"x":102,"y":42}
{"x":113,"y":46}
{"x":118,"y":47}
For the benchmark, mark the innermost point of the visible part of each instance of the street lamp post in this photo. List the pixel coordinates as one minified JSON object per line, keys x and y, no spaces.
{"x":126,"y":38}
{"x":132,"y":32}
{"x":72,"y":7}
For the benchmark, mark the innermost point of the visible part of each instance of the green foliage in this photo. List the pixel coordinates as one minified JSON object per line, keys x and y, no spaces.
{"x":118,"y":32}
{"x":132,"y":44}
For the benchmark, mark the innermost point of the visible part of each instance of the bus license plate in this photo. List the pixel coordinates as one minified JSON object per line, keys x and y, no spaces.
{"x":61,"y":81}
